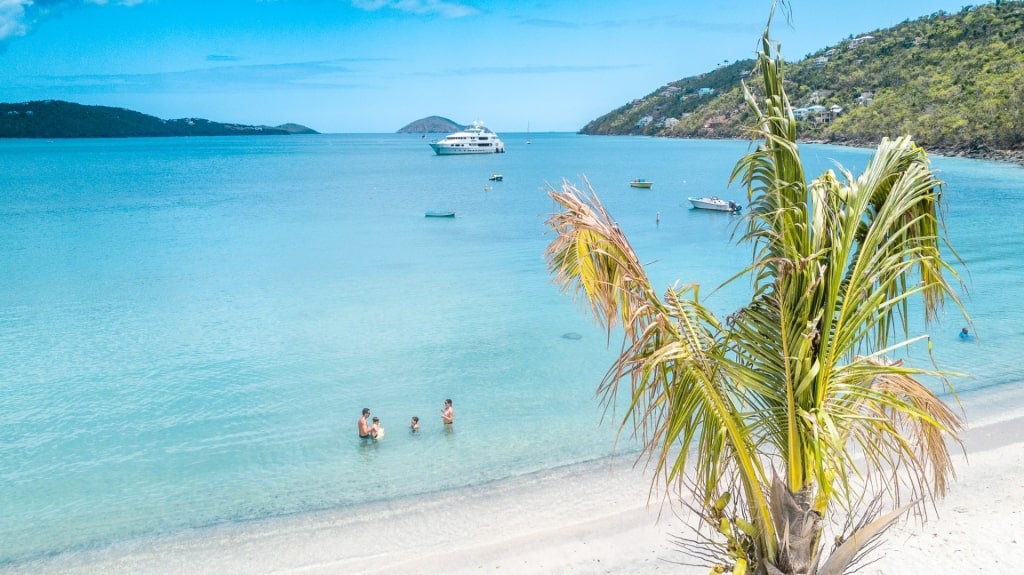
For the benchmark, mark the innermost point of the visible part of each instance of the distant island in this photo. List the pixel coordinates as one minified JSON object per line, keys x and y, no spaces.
{"x":59,"y":119}
{"x":431,"y":125}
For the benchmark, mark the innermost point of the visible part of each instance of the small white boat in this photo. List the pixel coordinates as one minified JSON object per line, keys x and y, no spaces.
{"x":714,"y":203}
{"x":641,"y":183}
{"x":496,"y":177}
{"x":475,"y":139}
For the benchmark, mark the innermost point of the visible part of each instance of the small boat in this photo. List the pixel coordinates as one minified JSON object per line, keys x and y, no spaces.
{"x":496,"y":177}
{"x":475,"y":139}
{"x":438,"y":214}
{"x":641,"y":183}
{"x":714,"y":203}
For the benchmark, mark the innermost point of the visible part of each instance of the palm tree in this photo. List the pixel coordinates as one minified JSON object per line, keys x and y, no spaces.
{"x":792,"y":412}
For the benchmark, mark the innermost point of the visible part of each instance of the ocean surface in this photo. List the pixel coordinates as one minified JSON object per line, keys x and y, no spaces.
{"x":189,"y":327}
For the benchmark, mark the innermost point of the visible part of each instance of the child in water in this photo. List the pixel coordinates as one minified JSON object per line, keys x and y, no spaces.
{"x":378,"y":429}
{"x":415,"y":424}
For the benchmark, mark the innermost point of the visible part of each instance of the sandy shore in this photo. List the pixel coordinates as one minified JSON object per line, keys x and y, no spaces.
{"x":584,"y":519}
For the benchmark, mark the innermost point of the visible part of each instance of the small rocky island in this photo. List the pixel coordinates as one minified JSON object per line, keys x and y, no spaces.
{"x":59,"y":119}
{"x":431,"y":125}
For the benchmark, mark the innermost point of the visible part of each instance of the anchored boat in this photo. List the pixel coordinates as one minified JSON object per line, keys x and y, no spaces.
{"x":475,"y":139}
{"x":714,"y":203}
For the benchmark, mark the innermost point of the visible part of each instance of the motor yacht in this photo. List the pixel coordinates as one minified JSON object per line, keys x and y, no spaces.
{"x":475,"y":139}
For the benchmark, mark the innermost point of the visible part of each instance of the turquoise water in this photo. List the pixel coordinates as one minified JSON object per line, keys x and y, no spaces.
{"x":190,"y":327}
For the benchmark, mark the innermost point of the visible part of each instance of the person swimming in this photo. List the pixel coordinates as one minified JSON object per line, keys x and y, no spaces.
{"x":964,"y":334}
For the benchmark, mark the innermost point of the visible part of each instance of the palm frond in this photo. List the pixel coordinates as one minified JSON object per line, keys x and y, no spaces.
{"x":801,"y":378}
{"x":671,"y":355}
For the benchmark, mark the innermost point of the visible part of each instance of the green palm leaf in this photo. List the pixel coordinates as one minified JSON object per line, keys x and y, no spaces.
{"x":803,"y":379}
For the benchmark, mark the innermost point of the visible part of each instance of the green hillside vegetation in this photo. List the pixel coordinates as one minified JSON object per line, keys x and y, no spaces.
{"x":293,"y":128}
{"x":949,"y":80}
{"x":58,"y":119}
{"x":680,"y":99}
{"x":431,"y":125}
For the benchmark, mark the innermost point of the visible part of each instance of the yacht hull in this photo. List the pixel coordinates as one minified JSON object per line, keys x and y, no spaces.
{"x":473,"y":140}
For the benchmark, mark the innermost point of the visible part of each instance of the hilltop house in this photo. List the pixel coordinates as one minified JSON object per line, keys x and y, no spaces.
{"x":667,"y":122}
{"x":858,"y":41}
{"x":820,"y":114}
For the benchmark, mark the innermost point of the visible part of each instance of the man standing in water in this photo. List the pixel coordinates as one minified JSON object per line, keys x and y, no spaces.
{"x":447,"y":413}
{"x":365,"y":430}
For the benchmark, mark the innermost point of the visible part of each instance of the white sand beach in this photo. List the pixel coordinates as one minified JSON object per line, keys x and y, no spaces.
{"x":585,"y":519}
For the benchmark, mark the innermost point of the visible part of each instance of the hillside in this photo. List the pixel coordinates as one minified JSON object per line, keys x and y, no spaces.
{"x":949,"y":80}
{"x":58,"y":119}
{"x":431,"y":125}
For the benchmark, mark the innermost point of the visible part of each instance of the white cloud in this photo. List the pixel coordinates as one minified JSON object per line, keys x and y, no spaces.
{"x":420,"y":7}
{"x":18,"y":16}
{"x":119,"y":2}
{"x":12,"y":18}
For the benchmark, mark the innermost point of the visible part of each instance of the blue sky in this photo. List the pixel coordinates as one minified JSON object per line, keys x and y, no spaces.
{"x":376,"y":65}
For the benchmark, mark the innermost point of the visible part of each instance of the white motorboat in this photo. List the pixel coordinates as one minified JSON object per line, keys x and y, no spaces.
{"x":475,"y":139}
{"x":714,"y":203}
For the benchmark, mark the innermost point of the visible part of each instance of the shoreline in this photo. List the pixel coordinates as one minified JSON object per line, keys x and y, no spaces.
{"x":983,"y":153}
{"x":585,"y":518}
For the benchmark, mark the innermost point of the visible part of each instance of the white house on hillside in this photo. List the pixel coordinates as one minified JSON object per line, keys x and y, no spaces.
{"x":858,"y":41}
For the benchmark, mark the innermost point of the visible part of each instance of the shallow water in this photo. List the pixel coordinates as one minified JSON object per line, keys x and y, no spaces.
{"x":190,"y":327}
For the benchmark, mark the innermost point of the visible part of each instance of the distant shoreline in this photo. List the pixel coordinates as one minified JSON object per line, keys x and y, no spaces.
{"x":975,"y":153}
{"x":57,"y":119}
